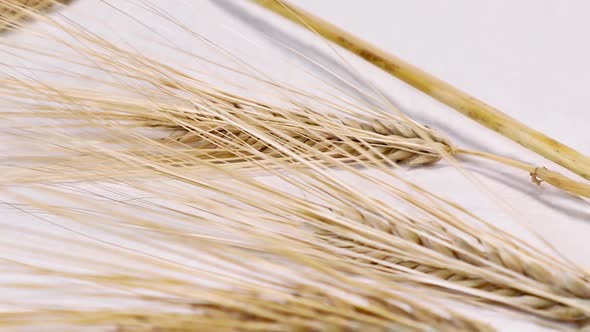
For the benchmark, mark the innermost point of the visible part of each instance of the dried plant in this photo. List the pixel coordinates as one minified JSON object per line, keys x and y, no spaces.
{"x":13,"y":12}
{"x":353,"y":225}
{"x":158,"y":123}
{"x":145,"y":266}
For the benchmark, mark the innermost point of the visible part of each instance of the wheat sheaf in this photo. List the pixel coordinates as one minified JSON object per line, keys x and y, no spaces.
{"x":203,"y":243}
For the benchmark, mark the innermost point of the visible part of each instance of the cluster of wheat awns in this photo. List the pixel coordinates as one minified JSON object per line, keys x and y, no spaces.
{"x":215,"y":247}
{"x":13,"y":12}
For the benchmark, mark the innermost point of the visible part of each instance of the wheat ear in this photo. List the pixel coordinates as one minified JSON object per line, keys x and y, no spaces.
{"x":200,"y":129}
{"x":379,"y":258}
{"x":390,"y":139}
{"x":196,"y":282}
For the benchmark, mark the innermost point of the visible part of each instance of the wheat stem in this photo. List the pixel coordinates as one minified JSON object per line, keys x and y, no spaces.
{"x":538,"y":174}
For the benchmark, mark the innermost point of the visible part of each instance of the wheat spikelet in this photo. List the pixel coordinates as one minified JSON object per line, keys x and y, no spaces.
{"x":517,"y":298}
{"x":245,"y":313}
{"x":324,"y":137}
{"x":382,"y":258}
{"x":200,"y":131}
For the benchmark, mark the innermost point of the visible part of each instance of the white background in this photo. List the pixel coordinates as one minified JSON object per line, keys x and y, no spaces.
{"x":529,"y":58}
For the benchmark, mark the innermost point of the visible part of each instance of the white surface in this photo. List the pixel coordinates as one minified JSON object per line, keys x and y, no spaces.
{"x":528,"y":58}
